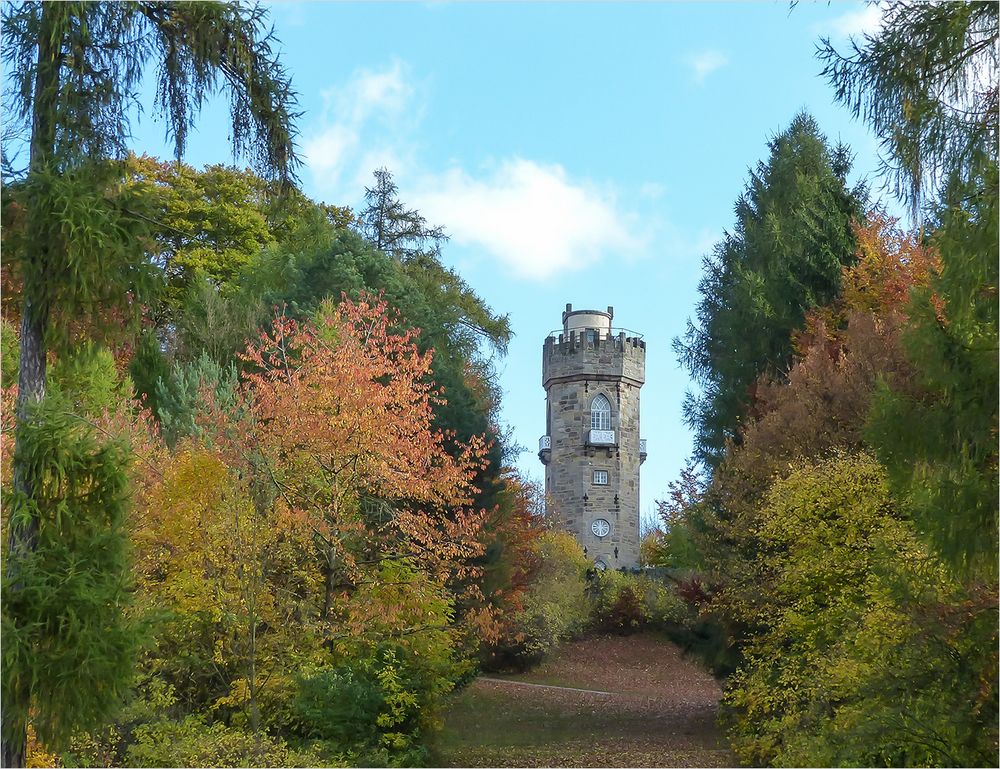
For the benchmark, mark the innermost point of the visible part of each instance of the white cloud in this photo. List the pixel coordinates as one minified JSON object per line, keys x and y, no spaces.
{"x":373,"y":104}
{"x":705,"y":63}
{"x":864,"y":21}
{"x":530,"y":217}
{"x":327,"y":151}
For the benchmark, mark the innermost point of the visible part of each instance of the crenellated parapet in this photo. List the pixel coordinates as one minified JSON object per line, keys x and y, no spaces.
{"x":596,"y":354}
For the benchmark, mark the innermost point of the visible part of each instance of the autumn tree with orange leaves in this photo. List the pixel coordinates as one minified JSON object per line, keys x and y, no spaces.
{"x":341,"y":424}
{"x":315,"y":520}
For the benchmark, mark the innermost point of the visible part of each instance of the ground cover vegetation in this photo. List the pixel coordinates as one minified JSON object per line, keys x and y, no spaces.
{"x":839,"y":535}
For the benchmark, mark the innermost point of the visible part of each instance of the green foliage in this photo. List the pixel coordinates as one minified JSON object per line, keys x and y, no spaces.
{"x":99,"y":56}
{"x":792,"y":236}
{"x":89,"y":381}
{"x":78,"y":261}
{"x":148,"y":364}
{"x":217,"y":325}
{"x":71,"y":74}
{"x":10,"y":355}
{"x":555,"y":608}
{"x":193,"y":742}
{"x":68,"y":644}
{"x":153,"y":731}
{"x":849,"y":602}
{"x":150,"y":701}
{"x":208,"y":224}
{"x":676,"y":548}
{"x":926,"y":83}
{"x":376,"y":709}
{"x":405,"y":236}
{"x":391,"y":228}
{"x":917,"y":687}
{"x":627,"y":603}
{"x":181,"y":395}
{"x":939,"y":440}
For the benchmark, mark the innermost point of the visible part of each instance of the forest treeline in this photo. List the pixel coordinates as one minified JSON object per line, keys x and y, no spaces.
{"x":275,"y":517}
{"x":258,"y":500}
{"x":838,"y":531}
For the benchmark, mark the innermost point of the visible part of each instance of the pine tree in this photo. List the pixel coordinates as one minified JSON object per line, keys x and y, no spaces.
{"x":72,"y":70}
{"x":784,"y":256}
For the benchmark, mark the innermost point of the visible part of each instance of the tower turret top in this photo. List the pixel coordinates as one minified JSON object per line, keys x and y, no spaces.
{"x":575,"y":320}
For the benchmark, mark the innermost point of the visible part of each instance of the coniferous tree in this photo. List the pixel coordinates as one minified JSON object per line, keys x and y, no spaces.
{"x":926,"y":83}
{"x":69,"y":647}
{"x":792,"y":237}
{"x":392,"y":228}
{"x":72,"y":71}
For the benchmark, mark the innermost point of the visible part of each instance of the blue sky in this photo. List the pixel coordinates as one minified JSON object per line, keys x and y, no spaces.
{"x":586,"y":153}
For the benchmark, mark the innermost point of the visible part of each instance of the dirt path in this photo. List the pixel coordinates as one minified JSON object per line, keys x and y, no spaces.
{"x":603,"y":701}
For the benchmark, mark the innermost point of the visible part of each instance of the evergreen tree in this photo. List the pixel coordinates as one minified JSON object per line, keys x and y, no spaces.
{"x":72,"y":71}
{"x":390,"y":227}
{"x":404,"y":235}
{"x":792,"y":237}
{"x":940,"y":442}
{"x":926,"y":83}
{"x":68,"y":646}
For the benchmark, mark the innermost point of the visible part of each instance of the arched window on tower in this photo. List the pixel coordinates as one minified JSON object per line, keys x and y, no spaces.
{"x":600,"y":413}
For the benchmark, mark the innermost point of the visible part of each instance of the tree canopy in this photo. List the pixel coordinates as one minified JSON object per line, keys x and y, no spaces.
{"x":926,"y":84}
{"x":792,"y":236}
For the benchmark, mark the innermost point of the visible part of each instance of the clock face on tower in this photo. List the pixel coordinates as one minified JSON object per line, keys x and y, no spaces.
{"x":600,"y":527}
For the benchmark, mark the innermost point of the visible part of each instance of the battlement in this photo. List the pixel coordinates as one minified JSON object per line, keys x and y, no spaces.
{"x":595,"y":354}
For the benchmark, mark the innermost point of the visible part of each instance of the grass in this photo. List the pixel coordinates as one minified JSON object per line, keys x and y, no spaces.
{"x":661,"y":712}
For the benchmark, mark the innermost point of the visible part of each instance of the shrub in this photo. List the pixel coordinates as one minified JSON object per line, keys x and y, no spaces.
{"x":555,"y":607}
{"x":377,"y":710}
{"x":626,"y":603}
{"x":193,"y":742}
{"x":616,"y":605}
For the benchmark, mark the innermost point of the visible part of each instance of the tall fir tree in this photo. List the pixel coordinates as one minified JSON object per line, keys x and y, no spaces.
{"x":792,"y":237}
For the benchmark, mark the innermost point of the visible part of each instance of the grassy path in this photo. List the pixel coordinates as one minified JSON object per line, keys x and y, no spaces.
{"x":602,"y":701}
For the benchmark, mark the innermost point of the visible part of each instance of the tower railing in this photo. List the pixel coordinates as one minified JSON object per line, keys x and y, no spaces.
{"x":613,"y":333}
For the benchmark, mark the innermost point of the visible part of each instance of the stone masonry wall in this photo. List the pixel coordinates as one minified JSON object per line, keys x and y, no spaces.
{"x":573,"y":374}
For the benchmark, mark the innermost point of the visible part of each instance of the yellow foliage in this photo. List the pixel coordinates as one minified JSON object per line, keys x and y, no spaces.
{"x":37,"y":755}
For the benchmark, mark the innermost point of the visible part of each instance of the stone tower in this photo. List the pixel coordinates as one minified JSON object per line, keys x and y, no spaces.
{"x":591,"y":448}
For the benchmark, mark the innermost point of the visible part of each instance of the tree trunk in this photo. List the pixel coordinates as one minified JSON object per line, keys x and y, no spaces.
{"x":22,"y":540}
{"x":328,"y":586}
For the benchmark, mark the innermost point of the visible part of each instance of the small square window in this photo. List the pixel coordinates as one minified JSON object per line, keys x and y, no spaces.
{"x":600,"y":477}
